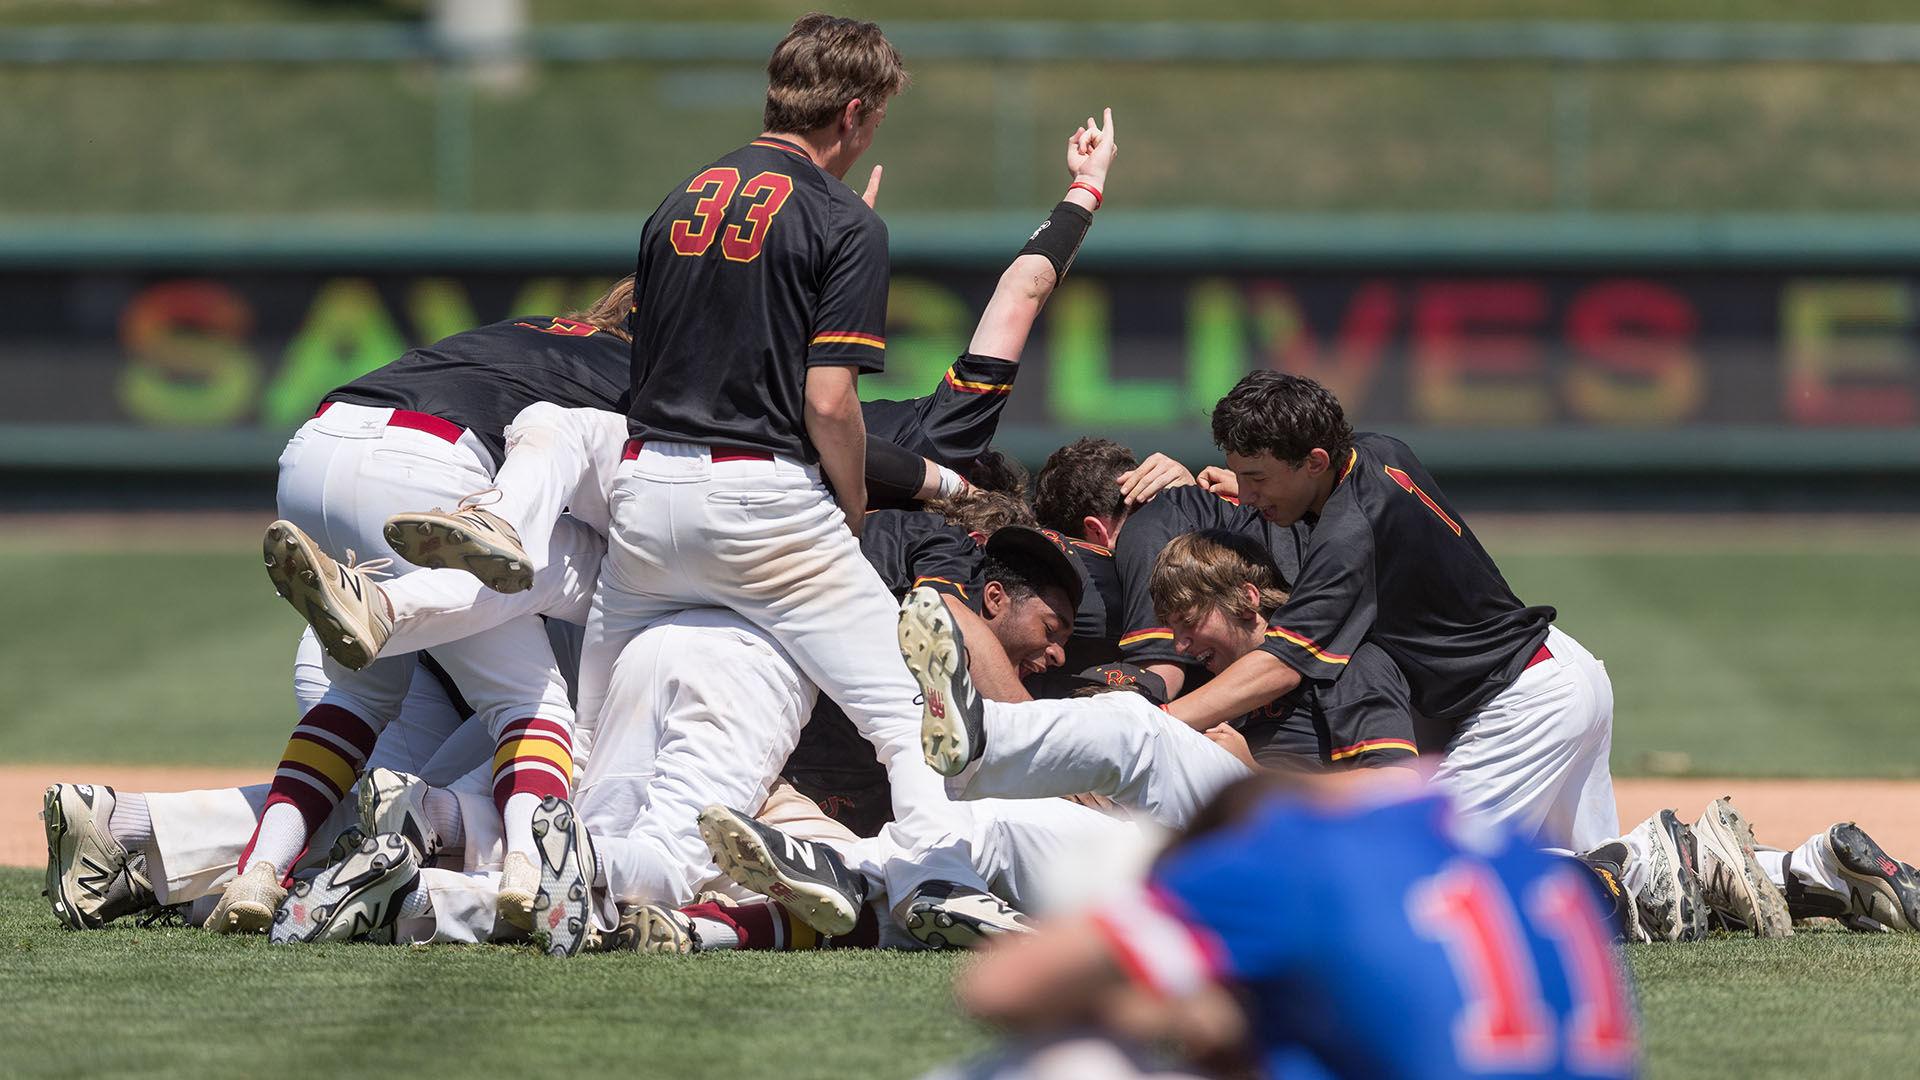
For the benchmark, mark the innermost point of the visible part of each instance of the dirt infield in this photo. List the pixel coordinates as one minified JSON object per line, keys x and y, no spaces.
{"x":1784,"y":812}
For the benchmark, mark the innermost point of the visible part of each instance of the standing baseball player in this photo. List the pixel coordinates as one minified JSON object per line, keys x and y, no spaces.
{"x":1389,"y":560}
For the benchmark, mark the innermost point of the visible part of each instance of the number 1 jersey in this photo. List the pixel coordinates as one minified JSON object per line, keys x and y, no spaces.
{"x":755,"y":269}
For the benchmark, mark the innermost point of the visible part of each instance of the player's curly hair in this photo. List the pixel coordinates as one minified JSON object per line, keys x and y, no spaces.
{"x":981,"y":511}
{"x":611,"y":311}
{"x":994,"y":470}
{"x":1287,"y":416}
{"x":1203,"y":571}
{"x":1081,"y":480}
{"x":824,"y":62}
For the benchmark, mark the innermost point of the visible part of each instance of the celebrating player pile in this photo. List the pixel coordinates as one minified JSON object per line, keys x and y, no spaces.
{"x":635,"y":629}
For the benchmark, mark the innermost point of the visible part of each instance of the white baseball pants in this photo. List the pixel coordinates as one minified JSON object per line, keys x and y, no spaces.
{"x":1116,"y":744}
{"x":765,"y":538}
{"x":1535,"y":758}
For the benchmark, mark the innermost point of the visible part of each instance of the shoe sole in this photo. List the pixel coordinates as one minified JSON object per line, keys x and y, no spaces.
{"x":373,"y":795}
{"x":741,"y":855}
{"x":938,"y":928}
{"x":293,"y":565}
{"x":660,"y":935}
{"x":247,"y":917}
{"x":349,"y":900}
{"x":1688,"y":900}
{"x":1864,"y":864}
{"x":63,"y":844}
{"x":439,"y":543}
{"x":928,"y":647}
{"x":560,"y":908}
{"x":1724,"y":833}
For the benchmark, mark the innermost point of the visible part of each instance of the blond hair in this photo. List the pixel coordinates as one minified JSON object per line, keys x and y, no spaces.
{"x":982,"y":511}
{"x":610,"y":312}
{"x":825,"y":62}
{"x":1205,"y":571}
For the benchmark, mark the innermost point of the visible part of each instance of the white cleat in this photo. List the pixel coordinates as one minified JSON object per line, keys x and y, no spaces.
{"x":90,"y":879}
{"x":396,"y":802}
{"x":563,"y":906}
{"x":1734,"y":884}
{"x":248,"y":904}
{"x":469,"y":538}
{"x":343,"y":604}
{"x":357,"y":897}
{"x":519,"y":882}
{"x":950,"y":709}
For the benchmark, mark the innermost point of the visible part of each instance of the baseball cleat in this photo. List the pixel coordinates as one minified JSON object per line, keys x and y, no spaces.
{"x":807,"y":878}
{"x":248,"y":904}
{"x":357,"y":897}
{"x":343,"y":604}
{"x":1884,"y":890}
{"x":1731,"y":878}
{"x":563,"y":905}
{"x":519,"y":881}
{"x":91,"y":881}
{"x":396,"y":802}
{"x":1673,"y":906}
{"x":478,"y":541}
{"x":943,"y":915}
{"x":1608,"y":863}
{"x":950,"y":709}
{"x":652,"y":928}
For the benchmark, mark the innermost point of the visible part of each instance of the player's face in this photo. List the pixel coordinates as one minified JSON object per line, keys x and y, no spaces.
{"x":1215,"y":638}
{"x":1033,"y":630}
{"x":1282,"y":493}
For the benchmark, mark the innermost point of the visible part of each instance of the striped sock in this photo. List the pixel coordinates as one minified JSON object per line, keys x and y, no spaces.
{"x":532,"y":760}
{"x":755,"y":925}
{"x":323,"y":758}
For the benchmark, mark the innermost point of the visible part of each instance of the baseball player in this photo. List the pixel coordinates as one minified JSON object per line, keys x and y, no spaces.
{"x":1388,"y":559}
{"x":429,"y":428}
{"x":1492,"y":957}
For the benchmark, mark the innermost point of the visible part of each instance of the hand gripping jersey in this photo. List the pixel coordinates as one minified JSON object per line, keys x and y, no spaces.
{"x":1390,"y":561}
{"x":760,"y":266}
{"x":480,"y":379}
{"x":1387,"y":940}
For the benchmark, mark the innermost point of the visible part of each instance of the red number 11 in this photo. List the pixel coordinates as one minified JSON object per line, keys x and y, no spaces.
{"x":1507,"y":1025}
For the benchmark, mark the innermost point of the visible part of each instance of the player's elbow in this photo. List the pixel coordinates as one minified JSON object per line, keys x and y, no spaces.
{"x":831,"y":395}
{"x":1030,"y":279}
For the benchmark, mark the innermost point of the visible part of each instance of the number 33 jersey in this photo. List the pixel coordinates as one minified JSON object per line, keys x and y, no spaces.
{"x":753,"y":270}
{"x":1387,"y":941}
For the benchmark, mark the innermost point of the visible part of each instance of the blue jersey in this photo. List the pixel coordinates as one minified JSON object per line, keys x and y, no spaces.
{"x":1388,"y":940}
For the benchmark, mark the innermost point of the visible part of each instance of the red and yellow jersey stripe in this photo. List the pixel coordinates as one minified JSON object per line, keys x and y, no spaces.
{"x":1312,"y":647}
{"x":967,"y":386}
{"x":954,"y":585}
{"x":1151,"y":633}
{"x":848,"y":337}
{"x":1095,"y":548}
{"x":1366,"y":745}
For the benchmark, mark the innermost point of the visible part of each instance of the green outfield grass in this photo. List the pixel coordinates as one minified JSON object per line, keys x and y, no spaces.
{"x":180,"y":1002}
{"x":1751,"y":663}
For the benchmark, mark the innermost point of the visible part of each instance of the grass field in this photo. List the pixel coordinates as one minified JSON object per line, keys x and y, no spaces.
{"x":1751,"y":656}
{"x":180,"y":1002}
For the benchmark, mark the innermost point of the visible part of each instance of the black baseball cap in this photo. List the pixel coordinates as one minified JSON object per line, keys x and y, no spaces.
{"x":1131,"y":676}
{"x":1045,"y":551}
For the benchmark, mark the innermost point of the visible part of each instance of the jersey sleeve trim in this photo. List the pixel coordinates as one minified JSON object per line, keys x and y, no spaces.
{"x":1162,"y":951}
{"x":1152,"y":633}
{"x":848,"y":337}
{"x":1095,"y":548}
{"x":1311,"y":647}
{"x":1372,"y":745}
{"x":969,"y":386}
{"x":936,"y":583}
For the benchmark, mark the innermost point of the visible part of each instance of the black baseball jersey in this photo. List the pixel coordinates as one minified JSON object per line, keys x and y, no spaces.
{"x":759,"y":267}
{"x":833,"y":764}
{"x":954,"y":424}
{"x":1362,"y":720}
{"x":1176,"y":512}
{"x":482,"y":378}
{"x":1390,"y":560}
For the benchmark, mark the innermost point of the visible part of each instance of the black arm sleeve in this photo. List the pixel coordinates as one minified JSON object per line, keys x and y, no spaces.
{"x":894,"y":474}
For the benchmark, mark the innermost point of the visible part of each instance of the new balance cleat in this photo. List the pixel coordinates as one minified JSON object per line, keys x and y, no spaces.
{"x":652,"y":928}
{"x":396,"y":802}
{"x":950,"y":710}
{"x":248,"y":904}
{"x":1884,"y":890}
{"x":808,"y":879}
{"x":1731,"y":878}
{"x":469,"y":538}
{"x":356,"y":898}
{"x":943,"y":915}
{"x":563,"y":905}
{"x":343,"y":604}
{"x":91,"y":880}
{"x":1673,"y":906}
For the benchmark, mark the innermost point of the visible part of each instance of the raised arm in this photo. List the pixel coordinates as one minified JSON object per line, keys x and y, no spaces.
{"x":1026,"y":284}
